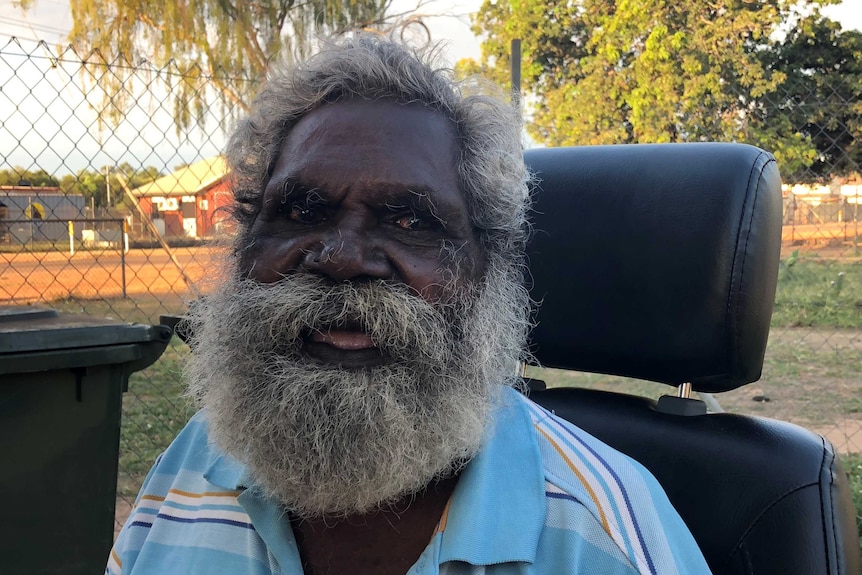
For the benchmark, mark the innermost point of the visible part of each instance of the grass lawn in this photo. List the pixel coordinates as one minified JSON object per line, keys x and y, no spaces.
{"x":154,"y":411}
{"x":140,"y":309}
{"x":814,"y":292}
{"x":853,"y":466}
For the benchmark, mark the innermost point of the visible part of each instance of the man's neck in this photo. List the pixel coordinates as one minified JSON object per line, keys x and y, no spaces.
{"x":383,"y":542}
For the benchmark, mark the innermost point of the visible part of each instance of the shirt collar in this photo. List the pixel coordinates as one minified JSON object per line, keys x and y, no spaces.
{"x":267,"y":517}
{"x":498,"y":509}
{"x":227,"y":473}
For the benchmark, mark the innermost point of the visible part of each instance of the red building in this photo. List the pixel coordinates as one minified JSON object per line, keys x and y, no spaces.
{"x":189,"y":202}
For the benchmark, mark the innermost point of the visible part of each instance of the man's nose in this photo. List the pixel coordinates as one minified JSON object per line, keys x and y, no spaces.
{"x":347,"y":255}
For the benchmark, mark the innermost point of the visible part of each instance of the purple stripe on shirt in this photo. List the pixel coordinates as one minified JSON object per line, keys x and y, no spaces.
{"x":622,"y":490}
{"x":206,"y":520}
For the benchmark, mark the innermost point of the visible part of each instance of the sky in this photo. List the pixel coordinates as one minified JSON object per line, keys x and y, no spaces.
{"x":51,"y":21}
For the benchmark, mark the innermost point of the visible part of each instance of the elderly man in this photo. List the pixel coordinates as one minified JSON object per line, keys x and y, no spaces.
{"x":355,"y":366}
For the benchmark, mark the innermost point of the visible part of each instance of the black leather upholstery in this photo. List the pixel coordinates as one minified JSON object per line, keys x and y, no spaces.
{"x":679,"y":242}
{"x":760,"y":496}
{"x":659,"y":262}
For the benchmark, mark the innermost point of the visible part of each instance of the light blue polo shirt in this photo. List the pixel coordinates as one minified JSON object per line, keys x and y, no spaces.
{"x":542,"y":497}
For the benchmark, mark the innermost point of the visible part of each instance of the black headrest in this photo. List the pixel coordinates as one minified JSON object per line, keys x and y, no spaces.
{"x":655,"y":261}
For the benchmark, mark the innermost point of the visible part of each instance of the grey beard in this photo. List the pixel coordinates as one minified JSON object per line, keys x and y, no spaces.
{"x":322,"y":440}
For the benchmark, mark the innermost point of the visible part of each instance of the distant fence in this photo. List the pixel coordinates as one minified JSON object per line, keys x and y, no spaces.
{"x":50,"y":133}
{"x":85,"y":233}
{"x":831,"y":220}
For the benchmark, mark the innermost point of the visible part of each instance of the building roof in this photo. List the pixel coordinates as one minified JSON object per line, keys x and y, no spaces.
{"x":188,"y":181}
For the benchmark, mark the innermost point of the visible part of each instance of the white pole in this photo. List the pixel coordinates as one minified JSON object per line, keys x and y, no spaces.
{"x":71,"y":238}
{"x":125,"y":236}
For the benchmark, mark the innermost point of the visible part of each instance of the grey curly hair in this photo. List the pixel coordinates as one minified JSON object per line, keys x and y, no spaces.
{"x":367,"y":66}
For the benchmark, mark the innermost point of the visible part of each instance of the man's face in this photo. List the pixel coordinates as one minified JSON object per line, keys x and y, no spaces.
{"x":360,"y":191}
{"x":357,"y":354}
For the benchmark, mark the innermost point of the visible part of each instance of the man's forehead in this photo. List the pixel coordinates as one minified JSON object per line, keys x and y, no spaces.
{"x":378,"y":119}
{"x":383,"y":143}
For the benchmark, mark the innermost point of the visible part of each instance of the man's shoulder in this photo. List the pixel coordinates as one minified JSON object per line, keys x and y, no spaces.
{"x":573,"y":459}
{"x":193,"y":464}
{"x":183,"y":518}
{"x":190,"y":449}
{"x":591,"y":483}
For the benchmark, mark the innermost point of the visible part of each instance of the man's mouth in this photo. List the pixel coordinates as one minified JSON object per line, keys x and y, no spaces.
{"x":347,"y":347}
{"x":348,"y":340}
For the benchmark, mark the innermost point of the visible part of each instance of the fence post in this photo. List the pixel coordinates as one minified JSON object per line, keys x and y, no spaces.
{"x":123,"y":251}
{"x":125,"y":236}
{"x":71,"y":238}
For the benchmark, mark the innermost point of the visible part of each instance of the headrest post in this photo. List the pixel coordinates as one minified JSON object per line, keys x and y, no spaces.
{"x":684,"y":391}
{"x":529,"y":384}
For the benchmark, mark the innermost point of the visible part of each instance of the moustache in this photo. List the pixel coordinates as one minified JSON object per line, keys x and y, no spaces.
{"x":277,"y":318}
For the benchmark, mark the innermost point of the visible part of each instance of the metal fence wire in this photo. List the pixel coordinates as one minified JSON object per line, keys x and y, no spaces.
{"x":115,"y":215}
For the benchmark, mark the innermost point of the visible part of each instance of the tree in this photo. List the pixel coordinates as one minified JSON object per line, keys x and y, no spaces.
{"x":822,"y":94}
{"x":603,"y":72}
{"x":19,"y":176}
{"x":226,"y":44}
{"x":93,"y":184}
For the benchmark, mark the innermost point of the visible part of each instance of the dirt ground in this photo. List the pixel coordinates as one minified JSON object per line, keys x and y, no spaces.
{"x":845,"y":435}
{"x":50,"y":276}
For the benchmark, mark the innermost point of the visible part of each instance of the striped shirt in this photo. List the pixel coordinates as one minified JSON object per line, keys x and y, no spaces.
{"x":542,"y":497}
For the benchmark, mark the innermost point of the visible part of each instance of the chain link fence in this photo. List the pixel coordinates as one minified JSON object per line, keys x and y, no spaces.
{"x":117,"y":218}
{"x":109,"y":217}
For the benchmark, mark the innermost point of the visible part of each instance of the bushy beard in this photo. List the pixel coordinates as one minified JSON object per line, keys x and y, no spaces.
{"x":328,"y":441}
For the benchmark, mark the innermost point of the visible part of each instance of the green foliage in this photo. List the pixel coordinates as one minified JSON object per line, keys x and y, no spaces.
{"x":92,"y":184}
{"x":654,"y":71}
{"x":853,"y":466}
{"x":19,"y":176}
{"x":822,"y":94}
{"x":222,"y":44}
{"x":814,"y":293}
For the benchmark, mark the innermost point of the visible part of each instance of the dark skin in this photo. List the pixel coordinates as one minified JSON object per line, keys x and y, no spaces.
{"x":362,"y":191}
{"x":387,"y":542}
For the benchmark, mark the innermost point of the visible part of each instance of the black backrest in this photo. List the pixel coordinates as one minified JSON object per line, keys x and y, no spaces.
{"x":659,"y":262}
{"x":680,"y":242}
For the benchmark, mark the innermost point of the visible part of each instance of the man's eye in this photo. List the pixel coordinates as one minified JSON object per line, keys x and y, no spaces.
{"x":306,"y":214}
{"x":412,"y":222}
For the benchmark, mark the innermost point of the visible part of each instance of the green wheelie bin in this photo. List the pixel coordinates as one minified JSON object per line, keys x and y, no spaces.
{"x":62,"y":378}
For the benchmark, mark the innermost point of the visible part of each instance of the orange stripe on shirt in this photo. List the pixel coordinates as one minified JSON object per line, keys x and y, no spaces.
{"x":205,"y":493}
{"x":152,"y":498}
{"x":441,"y":526}
{"x":193,"y":495}
{"x":583,"y":480}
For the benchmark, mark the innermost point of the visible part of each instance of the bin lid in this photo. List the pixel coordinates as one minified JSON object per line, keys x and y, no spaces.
{"x":30,"y":328}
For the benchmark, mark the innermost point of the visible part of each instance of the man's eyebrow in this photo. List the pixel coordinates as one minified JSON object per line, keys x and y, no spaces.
{"x":291,"y":188}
